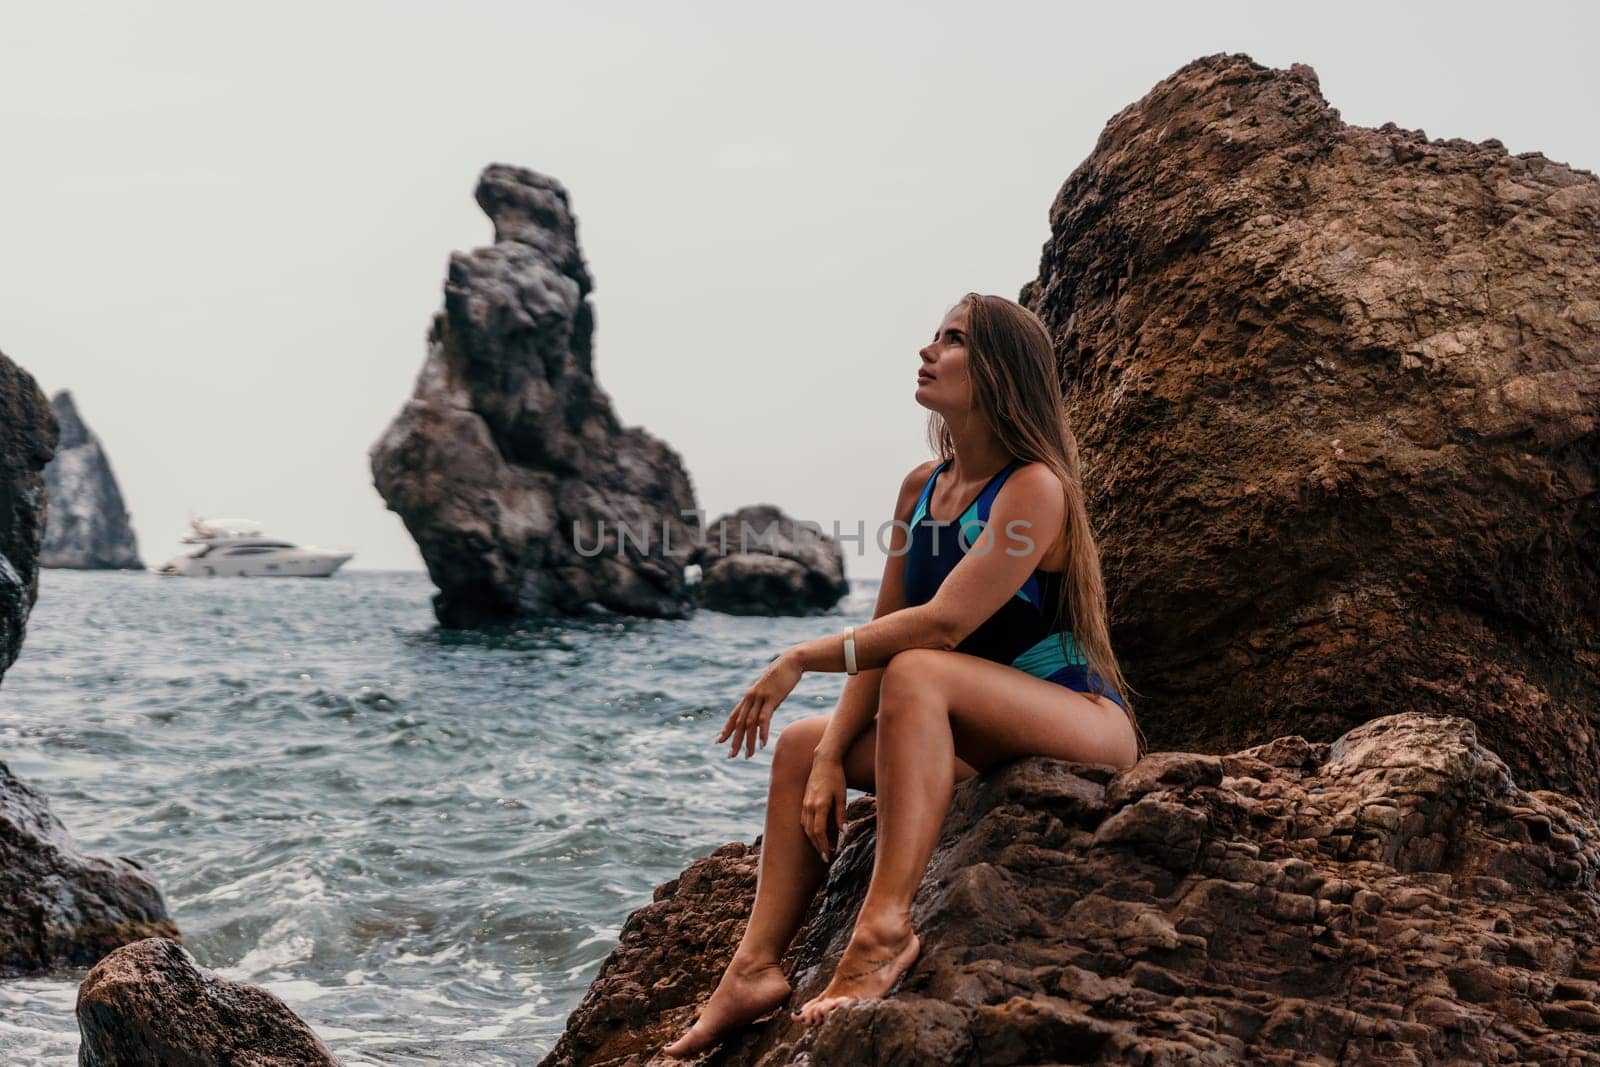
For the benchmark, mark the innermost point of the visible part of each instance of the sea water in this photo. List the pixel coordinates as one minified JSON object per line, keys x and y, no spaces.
{"x":425,"y":841}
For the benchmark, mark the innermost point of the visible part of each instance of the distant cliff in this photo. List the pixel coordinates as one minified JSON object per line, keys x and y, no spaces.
{"x":524,"y":492}
{"x":87,"y":526}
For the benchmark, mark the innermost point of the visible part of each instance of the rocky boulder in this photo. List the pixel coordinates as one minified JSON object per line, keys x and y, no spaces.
{"x":87,"y":524}
{"x":759,"y":561}
{"x":1392,"y":896}
{"x":150,"y":1004}
{"x":27,"y":438}
{"x":524,"y":492}
{"x":58,"y":906}
{"x":1338,"y":395}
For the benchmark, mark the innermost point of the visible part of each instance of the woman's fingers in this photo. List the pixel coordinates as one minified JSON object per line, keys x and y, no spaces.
{"x":753,"y":726}
{"x":814,"y":831}
{"x":733,"y":720}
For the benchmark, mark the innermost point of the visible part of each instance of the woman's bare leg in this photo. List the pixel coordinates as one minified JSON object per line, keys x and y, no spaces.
{"x":789,"y":873}
{"x":932,"y":702}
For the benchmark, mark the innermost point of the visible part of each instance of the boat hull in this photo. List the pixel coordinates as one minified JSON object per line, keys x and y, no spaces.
{"x":289,"y":565}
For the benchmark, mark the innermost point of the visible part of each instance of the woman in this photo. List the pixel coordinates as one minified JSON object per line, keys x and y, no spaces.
{"x":967,"y":664}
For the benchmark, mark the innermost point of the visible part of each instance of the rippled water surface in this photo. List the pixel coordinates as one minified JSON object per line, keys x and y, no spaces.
{"x":425,"y":841}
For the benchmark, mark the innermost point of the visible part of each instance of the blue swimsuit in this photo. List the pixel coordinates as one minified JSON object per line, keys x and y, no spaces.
{"x":1019,"y":633}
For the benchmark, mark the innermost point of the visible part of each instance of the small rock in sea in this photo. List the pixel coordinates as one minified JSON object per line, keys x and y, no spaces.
{"x":759,"y":561}
{"x":150,"y":1004}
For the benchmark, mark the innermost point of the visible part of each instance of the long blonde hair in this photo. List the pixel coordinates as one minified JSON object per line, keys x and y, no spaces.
{"x":1011,"y":363}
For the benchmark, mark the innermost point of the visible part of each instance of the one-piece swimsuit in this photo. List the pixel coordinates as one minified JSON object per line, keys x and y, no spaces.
{"x":1021,"y":631}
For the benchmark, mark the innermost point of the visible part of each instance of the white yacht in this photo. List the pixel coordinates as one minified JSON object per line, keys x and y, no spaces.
{"x":236,"y":548}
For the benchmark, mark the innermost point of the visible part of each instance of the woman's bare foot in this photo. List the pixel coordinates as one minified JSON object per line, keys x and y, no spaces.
{"x":879,"y":952}
{"x":745,"y":993}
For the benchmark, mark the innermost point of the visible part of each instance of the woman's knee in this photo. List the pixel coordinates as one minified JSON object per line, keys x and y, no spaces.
{"x":798,"y":741}
{"x":904,"y":676}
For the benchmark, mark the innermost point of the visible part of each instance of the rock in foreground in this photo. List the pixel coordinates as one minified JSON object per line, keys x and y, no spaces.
{"x":759,"y":561}
{"x":525,"y":494}
{"x":1338,"y":395}
{"x":27,"y":439}
{"x":87,"y":526}
{"x":151,"y":1005}
{"x":58,"y":906}
{"x":1390,"y":897}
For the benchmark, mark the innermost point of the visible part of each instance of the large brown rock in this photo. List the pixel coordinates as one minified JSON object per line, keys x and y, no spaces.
{"x":28,"y":434}
{"x":525,"y":494}
{"x":151,"y":1005}
{"x":1338,"y":394}
{"x":1392,"y":896}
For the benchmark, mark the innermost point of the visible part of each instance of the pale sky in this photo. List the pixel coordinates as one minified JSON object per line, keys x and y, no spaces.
{"x":225,"y":227}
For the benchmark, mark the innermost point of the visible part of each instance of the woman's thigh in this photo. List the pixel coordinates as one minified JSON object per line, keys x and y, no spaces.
{"x":998,"y":713}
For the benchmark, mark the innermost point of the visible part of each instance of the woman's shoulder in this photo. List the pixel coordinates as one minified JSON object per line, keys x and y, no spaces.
{"x":911,"y":486}
{"x":1034,"y":480}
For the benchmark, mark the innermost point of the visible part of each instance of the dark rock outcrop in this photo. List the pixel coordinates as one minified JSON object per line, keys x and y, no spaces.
{"x":150,"y":1004}
{"x":58,"y":906}
{"x":27,"y":439}
{"x":1391,"y":897}
{"x":1338,"y":395}
{"x":759,"y":561}
{"x":525,"y":494}
{"x":87,"y":524}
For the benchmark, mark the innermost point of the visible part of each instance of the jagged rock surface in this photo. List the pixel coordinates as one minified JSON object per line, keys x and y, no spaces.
{"x":58,"y":906}
{"x":86,"y":525}
{"x":759,"y":561}
{"x":1338,"y":395}
{"x":1389,"y":897}
{"x":508,"y":442}
{"x":27,"y":438}
{"x":150,"y":1004}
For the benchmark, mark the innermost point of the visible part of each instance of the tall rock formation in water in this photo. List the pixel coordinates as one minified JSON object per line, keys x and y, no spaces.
{"x":27,"y":438}
{"x":58,"y":906}
{"x":524,"y":492}
{"x":87,"y":526}
{"x":1338,"y":395}
{"x":1336,"y":390}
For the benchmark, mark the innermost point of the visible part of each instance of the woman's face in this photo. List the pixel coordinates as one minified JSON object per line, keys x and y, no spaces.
{"x":942,"y":383}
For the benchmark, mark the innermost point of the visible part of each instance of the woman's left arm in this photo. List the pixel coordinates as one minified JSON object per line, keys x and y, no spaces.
{"x":992,"y":570}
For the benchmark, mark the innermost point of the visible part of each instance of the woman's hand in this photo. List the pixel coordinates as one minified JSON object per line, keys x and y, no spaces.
{"x":825,"y":793}
{"x":754,"y":711}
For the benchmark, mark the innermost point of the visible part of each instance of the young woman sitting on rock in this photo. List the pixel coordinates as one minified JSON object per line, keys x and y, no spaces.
{"x":989,"y":643}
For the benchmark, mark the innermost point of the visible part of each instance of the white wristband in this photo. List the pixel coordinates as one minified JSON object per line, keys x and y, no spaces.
{"x":850,"y":650}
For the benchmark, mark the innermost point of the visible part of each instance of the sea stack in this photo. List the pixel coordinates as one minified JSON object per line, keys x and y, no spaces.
{"x":1338,"y":396}
{"x":86,"y":525}
{"x":525,"y":494}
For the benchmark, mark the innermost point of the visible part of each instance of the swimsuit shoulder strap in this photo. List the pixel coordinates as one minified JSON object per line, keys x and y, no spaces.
{"x":927,"y":491}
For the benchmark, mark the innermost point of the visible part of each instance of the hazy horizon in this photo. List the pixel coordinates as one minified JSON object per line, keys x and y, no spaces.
{"x":227,"y":229}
